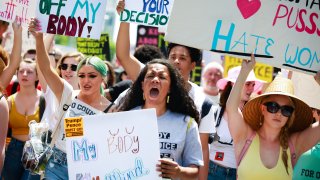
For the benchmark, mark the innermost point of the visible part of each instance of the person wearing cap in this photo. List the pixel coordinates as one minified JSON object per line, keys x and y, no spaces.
{"x":212,"y":73}
{"x":273,"y":129}
{"x":222,"y":160}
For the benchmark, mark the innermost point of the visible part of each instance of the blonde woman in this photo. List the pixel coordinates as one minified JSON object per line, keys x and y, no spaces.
{"x":272,"y":131}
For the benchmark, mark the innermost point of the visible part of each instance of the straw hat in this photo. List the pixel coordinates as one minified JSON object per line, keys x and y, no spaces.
{"x":233,"y":74}
{"x":2,"y":65}
{"x":279,"y":86}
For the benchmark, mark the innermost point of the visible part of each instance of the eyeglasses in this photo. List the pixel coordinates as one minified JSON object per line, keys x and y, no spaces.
{"x":273,"y":107}
{"x":65,"y":66}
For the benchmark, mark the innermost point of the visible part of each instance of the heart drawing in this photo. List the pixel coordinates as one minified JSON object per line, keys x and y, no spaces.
{"x":248,"y":7}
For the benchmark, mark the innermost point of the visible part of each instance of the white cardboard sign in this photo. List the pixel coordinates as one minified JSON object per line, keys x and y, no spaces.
{"x":280,"y":33}
{"x":123,"y":145}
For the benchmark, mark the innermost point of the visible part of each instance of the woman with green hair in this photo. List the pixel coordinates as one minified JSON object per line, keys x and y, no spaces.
{"x":92,"y":72}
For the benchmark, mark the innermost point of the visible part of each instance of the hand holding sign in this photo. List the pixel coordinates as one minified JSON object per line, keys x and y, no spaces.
{"x":317,"y":77}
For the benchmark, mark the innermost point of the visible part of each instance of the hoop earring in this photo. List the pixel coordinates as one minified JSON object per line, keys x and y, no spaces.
{"x":168,"y":99}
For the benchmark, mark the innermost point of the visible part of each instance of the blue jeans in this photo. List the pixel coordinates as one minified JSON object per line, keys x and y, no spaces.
{"x":57,"y":167}
{"x":219,"y":172}
{"x":13,"y":168}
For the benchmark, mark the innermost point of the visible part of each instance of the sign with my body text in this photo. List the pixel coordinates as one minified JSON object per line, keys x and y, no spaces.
{"x":280,"y":33}
{"x":20,"y":10}
{"x":147,"y":12}
{"x":123,"y":145}
{"x":78,"y":18}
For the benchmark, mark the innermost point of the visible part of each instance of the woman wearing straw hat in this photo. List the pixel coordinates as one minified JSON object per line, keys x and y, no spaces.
{"x":272,"y":131}
{"x":222,"y":163}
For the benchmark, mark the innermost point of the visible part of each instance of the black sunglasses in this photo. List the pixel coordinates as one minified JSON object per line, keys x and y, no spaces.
{"x":65,"y":67}
{"x":273,"y":107}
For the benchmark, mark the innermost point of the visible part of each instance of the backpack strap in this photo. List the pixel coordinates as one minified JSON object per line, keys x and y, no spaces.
{"x":107,"y":109}
{"x":292,"y":153}
{"x":42,"y":106}
{"x":61,"y":112}
{"x":245,"y":148}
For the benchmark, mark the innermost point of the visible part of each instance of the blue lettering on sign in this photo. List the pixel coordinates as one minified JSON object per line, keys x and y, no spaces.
{"x":155,"y":6}
{"x":83,"y":150}
{"x":218,"y":36}
{"x":302,"y":56}
{"x":86,"y":5}
{"x":138,"y":171}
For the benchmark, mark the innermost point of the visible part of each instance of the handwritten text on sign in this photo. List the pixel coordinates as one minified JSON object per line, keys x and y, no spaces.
{"x":20,"y":10}
{"x":279,"y":33}
{"x":122,"y":137}
{"x":147,"y":12}
{"x":80,"y":18}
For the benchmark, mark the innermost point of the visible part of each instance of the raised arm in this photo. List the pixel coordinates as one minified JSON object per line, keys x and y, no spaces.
{"x":238,"y":128}
{"x":50,"y":75}
{"x":4,"y":120}
{"x":130,"y":64}
{"x":317,"y":77}
{"x":47,"y":43}
{"x":15,"y":56}
{"x":306,"y":139}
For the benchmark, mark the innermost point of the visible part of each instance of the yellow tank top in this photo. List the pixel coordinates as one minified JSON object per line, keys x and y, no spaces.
{"x":251,"y":166}
{"x":19,"y":122}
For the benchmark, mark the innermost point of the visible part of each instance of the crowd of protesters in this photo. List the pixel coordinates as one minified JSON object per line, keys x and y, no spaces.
{"x":225,"y":129}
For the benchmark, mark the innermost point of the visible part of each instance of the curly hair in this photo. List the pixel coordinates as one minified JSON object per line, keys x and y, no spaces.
{"x":179,"y":102}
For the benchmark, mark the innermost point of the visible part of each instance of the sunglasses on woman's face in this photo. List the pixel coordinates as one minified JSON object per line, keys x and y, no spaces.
{"x":273,"y":107}
{"x":65,"y":67}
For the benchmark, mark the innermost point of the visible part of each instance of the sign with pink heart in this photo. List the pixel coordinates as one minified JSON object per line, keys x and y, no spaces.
{"x":284,"y":34}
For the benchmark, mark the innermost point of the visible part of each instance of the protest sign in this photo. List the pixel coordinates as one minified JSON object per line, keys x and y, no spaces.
{"x":78,"y":18}
{"x":262,"y":71}
{"x":113,"y":146}
{"x":92,"y":47}
{"x":22,"y":11}
{"x":306,"y":88}
{"x":147,"y":12}
{"x":147,"y":35}
{"x":279,"y":33}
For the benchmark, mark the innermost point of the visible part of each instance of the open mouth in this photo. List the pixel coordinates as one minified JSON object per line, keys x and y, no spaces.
{"x":154,"y":92}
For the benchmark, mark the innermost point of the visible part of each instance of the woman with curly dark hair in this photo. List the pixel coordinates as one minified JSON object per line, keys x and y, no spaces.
{"x":160,"y":86}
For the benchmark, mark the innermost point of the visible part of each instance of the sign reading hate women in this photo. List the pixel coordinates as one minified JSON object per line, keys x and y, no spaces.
{"x":113,"y":146}
{"x":78,"y":18}
{"x":147,"y":12}
{"x":281,"y":33}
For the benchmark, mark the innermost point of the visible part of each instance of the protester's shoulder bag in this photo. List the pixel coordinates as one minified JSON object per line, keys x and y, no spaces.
{"x":37,"y":150}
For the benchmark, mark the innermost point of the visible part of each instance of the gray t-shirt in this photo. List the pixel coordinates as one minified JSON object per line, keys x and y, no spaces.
{"x":179,"y":139}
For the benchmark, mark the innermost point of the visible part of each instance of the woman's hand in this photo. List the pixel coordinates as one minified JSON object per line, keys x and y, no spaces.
{"x":317,"y":77}
{"x":168,"y":168}
{"x":248,"y":65}
{"x":120,"y":6}
{"x":17,"y":29}
{"x":34,"y":27}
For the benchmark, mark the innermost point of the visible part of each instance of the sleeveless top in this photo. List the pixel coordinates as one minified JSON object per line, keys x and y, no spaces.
{"x":251,"y":166}
{"x":19,"y":122}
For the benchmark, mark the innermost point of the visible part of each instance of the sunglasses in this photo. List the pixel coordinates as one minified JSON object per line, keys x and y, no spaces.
{"x":65,"y":67}
{"x":273,"y":107}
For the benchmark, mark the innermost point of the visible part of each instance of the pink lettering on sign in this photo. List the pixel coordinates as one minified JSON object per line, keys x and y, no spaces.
{"x":248,"y":7}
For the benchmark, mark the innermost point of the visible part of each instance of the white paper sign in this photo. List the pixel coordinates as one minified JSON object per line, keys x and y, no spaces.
{"x":306,"y":88}
{"x":147,"y":12}
{"x":78,"y":18}
{"x":122,"y":145}
{"x":20,"y":10}
{"x":280,"y":33}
